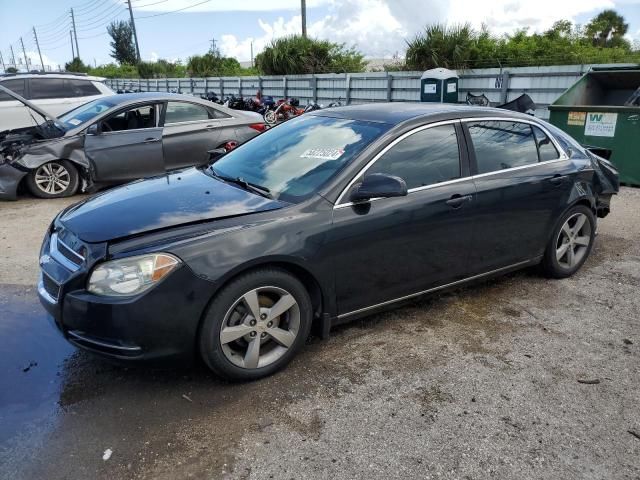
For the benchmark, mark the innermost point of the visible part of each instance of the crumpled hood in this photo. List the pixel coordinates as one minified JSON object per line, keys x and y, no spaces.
{"x":178,"y":198}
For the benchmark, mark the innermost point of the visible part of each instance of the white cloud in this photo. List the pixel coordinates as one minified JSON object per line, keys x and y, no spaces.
{"x":226,"y":6}
{"x":504,"y":16}
{"x":368,"y":24}
{"x":380,"y":28}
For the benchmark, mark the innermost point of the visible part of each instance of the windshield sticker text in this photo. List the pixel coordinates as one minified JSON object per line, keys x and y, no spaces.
{"x":323,"y":153}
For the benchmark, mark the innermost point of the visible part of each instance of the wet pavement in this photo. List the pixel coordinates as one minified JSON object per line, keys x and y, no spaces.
{"x":483,"y":382}
{"x":33,"y":355}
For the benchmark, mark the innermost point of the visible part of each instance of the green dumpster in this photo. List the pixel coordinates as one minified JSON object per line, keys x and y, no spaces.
{"x":439,"y":85}
{"x":602,"y":110}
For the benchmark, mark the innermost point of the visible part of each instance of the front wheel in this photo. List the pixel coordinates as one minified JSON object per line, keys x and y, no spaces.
{"x":256,"y":325}
{"x":571,"y":243}
{"x":54,"y":180}
{"x":271,"y":117}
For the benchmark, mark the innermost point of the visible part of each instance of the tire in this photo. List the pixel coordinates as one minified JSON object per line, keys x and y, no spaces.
{"x":270,"y":117}
{"x":231,"y":336}
{"x":54,"y":180}
{"x":569,"y":248}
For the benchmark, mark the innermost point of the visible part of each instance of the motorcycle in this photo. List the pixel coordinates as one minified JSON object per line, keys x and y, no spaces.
{"x":236,"y":103}
{"x":285,"y":109}
{"x":260,"y":103}
{"x":212,"y":97}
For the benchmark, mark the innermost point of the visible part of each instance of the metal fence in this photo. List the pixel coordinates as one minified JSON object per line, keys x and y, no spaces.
{"x":543,"y":84}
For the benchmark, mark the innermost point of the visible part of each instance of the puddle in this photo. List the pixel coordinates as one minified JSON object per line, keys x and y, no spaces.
{"x":31,"y":357}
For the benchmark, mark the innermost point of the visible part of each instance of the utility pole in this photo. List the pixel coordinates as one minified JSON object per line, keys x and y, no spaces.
{"x":35,"y":35}
{"x":251,"y":53}
{"x":303,"y":8}
{"x":75,"y":33}
{"x":133,"y":27}
{"x":24,"y":53}
{"x":13,"y":56}
{"x":4,"y":68}
{"x":213,"y":46}
{"x":73,"y":53}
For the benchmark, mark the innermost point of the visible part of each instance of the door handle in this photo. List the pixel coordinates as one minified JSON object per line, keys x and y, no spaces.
{"x":558,"y":179}
{"x":457,"y":200}
{"x":210,"y":127}
{"x":151,"y":140}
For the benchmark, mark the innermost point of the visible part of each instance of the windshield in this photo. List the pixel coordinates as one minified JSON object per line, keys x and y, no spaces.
{"x":296,"y":158}
{"x":85,"y":113}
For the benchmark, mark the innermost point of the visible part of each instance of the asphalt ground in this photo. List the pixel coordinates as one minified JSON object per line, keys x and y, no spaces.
{"x":517,"y":377}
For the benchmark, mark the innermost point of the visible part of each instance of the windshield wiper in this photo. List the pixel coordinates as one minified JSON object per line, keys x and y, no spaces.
{"x":252,"y":187}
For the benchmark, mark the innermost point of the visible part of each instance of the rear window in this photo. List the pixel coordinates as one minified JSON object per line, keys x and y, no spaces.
{"x":16,"y":85}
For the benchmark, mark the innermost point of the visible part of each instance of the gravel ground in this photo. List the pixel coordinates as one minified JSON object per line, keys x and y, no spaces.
{"x":519,"y":377}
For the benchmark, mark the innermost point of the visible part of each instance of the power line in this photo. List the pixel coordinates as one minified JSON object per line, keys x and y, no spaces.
{"x":101,"y":21}
{"x":149,"y":4}
{"x":173,"y":11}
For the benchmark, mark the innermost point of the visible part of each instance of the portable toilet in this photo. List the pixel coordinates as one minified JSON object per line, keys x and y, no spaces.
{"x":439,"y":85}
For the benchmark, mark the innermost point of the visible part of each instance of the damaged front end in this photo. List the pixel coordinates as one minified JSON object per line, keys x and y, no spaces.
{"x":23,"y":149}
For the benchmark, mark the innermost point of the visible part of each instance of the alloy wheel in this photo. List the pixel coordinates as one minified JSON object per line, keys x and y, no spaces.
{"x":260,"y":327}
{"x":573,"y":240}
{"x":52,"y":178}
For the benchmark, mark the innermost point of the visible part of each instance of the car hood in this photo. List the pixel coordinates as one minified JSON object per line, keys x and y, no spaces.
{"x":178,"y":198}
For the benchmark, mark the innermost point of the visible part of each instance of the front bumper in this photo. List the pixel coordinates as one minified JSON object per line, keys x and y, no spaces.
{"x":10,"y":178}
{"x":159,"y":324}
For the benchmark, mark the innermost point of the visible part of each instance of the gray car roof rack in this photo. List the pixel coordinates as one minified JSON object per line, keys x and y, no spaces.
{"x":81,"y":74}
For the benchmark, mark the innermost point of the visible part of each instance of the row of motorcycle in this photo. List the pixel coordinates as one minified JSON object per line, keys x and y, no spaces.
{"x":273,"y":111}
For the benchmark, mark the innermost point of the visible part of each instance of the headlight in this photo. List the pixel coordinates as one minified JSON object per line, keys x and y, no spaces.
{"x":130,"y":276}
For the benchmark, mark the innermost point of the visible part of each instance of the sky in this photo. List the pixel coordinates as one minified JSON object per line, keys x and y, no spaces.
{"x":378,"y":28}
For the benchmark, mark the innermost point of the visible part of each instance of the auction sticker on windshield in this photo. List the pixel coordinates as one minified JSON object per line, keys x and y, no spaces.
{"x":323,"y":153}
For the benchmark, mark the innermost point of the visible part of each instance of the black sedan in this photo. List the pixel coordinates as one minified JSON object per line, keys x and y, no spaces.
{"x":327,"y":217}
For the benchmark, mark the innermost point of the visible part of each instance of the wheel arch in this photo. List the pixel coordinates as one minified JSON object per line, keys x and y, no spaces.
{"x":320,"y":297}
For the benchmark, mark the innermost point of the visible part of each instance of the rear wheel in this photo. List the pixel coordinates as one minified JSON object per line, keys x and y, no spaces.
{"x":53,"y":180}
{"x":571,"y":243}
{"x":256,"y":325}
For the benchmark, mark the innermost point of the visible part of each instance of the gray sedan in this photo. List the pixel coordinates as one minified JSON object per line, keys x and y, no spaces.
{"x":117,"y":139}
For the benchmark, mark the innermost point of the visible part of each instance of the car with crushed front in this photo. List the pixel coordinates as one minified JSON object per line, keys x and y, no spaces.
{"x":115,"y":139}
{"x":330,"y":216}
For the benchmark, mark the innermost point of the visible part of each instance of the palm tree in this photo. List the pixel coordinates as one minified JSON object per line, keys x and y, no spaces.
{"x":606,"y":28}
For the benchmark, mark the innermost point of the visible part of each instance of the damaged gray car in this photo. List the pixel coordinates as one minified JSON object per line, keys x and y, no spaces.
{"x":114,"y":140}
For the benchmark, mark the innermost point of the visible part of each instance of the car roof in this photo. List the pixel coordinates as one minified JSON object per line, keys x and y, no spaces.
{"x":11,"y":76}
{"x":394,"y":113}
{"x":122,"y":98}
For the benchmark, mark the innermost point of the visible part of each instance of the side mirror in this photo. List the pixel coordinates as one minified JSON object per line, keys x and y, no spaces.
{"x":379,"y":185}
{"x":93,"y":129}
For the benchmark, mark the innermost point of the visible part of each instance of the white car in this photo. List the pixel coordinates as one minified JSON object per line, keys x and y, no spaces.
{"x":56,"y":93}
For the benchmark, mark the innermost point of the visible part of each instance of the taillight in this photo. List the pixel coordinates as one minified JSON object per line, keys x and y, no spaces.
{"x":230,"y":145}
{"x":261,"y":127}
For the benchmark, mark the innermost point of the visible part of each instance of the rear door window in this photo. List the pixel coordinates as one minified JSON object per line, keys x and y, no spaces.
{"x":178,"y":112}
{"x":424,"y":158}
{"x":42,"y":88}
{"x":501,"y":145}
{"x":16,"y":85}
